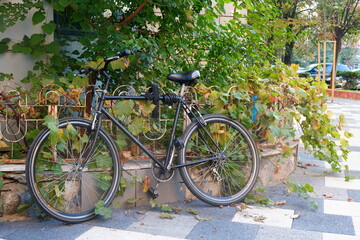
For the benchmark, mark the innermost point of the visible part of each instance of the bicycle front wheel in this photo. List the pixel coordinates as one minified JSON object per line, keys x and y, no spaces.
{"x":55,"y":179}
{"x":222,"y":161}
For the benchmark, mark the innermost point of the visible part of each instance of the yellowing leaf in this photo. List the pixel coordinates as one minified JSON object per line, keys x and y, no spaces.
{"x":146,"y":184}
{"x":3,"y":144}
{"x":146,"y":107}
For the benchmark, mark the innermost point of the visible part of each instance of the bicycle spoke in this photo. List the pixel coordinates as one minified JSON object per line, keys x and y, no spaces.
{"x":61,"y":187}
{"x":228,"y":178}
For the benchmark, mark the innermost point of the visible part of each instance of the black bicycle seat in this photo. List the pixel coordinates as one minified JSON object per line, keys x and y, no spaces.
{"x":188,"y":78}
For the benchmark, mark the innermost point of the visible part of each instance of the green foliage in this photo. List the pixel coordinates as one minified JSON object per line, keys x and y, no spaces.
{"x":1,"y":180}
{"x":101,"y":210}
{"x":282,"y":98}
{"x":11,"y":13}
{"x":4,"y":45}
{"x":303,"y":191}
{"x":234,"y":57}
{"x":352,"y":79}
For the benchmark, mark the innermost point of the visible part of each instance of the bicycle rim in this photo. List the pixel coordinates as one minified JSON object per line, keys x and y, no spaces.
{"x":60,"y":188}
{"x":230,"y":177}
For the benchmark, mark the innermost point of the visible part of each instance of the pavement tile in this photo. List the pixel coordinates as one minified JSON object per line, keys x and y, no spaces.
{"x":273,"y":233}
{"x":274,"y":217}
{"x":342,"y":208}
{"x":354,"y":195}
{"x":39,"y":230}
{"x":8,"y":228}
{"x":224,"y":230}
{"x":331,"y":236}
{"x":209,"y":211}
{"x":341,"y":183}
{"x":180,"y":226}
{"x":110,"y":234}
{"x":121,"y":218}
{"x":354,"y":148}
{"x":319,"y":222}
{"x":354,"y":161}
{"x":356,"y":222}
{"x":299,"y":204}
{"x":355,"y":173}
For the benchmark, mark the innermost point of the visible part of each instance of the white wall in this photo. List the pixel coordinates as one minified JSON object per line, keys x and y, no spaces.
{"x":17,"y":63}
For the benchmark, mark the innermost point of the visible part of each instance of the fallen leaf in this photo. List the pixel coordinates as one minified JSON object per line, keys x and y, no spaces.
{"x":242,"y":207}
{"x":283,"y":202}
{"x":164,"y":215}
{"x":295,"y":216}
{"x":328,"y":195}
{"x":134,"y":200}
{"x":203,"y":219}
{"x":306,"y":165}
{"x":259,"y":219}
{"x":192,"y":211}
{"x":350,"y":200}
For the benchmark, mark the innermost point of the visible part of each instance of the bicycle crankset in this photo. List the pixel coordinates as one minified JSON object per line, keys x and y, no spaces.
{"x":160,"y":174}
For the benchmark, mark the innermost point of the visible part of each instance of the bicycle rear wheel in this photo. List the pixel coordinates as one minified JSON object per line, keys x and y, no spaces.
{"x":59,"y":187}
{"x":232,"y":164}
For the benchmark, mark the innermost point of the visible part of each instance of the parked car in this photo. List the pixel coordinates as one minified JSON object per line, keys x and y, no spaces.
{"x":313,"y":70}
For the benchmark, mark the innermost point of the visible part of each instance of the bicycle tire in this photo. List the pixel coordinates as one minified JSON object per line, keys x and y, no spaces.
{"x":58,"y":187}
{"x":228,"y":179}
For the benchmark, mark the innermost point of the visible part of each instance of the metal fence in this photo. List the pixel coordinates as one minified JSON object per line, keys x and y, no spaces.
{"x":22,"y":111}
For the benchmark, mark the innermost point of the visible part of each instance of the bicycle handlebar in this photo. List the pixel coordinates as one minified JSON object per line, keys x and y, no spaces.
{"x":87,"y":70}
{"x":125,"y":53}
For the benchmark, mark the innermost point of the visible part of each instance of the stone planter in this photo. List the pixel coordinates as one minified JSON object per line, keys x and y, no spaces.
{"x":273,"y":170}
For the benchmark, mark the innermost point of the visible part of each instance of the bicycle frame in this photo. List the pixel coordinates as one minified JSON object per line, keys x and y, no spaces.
{"x":100,"y":111}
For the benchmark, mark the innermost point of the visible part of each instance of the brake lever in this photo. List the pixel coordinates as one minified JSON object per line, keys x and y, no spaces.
{"x":87,"y":70}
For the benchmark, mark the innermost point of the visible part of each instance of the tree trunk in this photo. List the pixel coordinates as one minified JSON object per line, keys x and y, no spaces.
{"x":338,"y":38}
{"x":289,"y":49}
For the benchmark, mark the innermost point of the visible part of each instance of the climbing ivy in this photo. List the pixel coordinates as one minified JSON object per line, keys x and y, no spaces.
{"x":180,"y":36}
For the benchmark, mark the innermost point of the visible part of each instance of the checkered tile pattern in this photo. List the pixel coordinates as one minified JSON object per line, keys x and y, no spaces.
{"x":338,"y":215}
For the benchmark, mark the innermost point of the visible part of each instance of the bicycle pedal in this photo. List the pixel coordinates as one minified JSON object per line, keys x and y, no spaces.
{"x":153,"y":193}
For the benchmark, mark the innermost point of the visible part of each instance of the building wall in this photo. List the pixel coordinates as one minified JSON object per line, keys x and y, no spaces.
{"x":17,"y":63}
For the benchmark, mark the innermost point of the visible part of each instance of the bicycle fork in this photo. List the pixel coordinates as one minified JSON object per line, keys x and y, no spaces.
{"x":95,"y":126}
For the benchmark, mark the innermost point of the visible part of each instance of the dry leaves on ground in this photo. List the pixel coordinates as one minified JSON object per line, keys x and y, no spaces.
{"x":306,"y":165}
{"x":279,"y":203}
{"x":295,"y":216}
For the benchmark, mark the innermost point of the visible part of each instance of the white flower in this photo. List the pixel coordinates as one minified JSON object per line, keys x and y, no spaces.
{"x":125,"y":9}
{"x":107,"y":13}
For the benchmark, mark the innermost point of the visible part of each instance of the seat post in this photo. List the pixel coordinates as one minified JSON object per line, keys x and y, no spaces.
{"x":182,"y":91}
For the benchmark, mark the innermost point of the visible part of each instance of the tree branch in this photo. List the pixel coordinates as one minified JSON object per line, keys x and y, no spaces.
{"x":85,"y":19}
{"x":347,"y":23}
{"x":133,"y":15}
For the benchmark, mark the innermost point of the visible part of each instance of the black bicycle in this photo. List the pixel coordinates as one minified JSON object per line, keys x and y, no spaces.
{"x":217,"y":157}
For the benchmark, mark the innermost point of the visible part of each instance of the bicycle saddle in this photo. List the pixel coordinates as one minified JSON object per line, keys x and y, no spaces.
{"x":188,"y":78}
